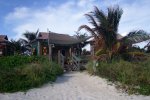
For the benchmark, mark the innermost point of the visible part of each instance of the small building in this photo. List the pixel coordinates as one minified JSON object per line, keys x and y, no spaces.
{"x":4,"y":45}
{"x":54,"y":44}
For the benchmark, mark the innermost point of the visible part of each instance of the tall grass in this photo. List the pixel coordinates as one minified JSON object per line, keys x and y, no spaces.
{"x":19,"y":73}
{"x":135,"y":77}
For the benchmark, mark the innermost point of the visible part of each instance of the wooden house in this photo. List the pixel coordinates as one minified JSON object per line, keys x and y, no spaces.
{"x":4,"y":45}
{"x":57,"y":46}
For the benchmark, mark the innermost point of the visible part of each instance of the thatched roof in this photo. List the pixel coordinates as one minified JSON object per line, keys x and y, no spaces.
{"x":61,"y":39}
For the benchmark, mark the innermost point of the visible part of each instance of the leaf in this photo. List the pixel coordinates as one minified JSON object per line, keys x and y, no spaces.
{"x":136,"y":37}
{"x":88,"y":29}
{"x":100,"y":52}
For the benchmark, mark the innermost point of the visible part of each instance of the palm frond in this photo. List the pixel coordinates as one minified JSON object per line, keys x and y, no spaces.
{"x":114,"y":16}
{"x":87,"y":28}
{"x":36,"y":33}
{"x":100,"y":17}
{"x":136,"y":37}
{"x":92,"y":20}
{"x":23,"y":41}
{"x":30,"y":36}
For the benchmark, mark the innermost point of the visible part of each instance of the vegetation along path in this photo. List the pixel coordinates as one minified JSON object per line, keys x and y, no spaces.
{"x":74,"y":86}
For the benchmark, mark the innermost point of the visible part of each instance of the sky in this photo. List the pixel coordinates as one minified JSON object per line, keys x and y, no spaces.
{"x":65,"y":16}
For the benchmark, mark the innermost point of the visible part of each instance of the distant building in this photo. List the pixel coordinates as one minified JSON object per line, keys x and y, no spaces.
{"x":4,"y":46}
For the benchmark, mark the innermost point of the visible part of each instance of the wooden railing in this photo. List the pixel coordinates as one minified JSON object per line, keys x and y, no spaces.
{"x":76,"y":62}
{"x":74,"y":65}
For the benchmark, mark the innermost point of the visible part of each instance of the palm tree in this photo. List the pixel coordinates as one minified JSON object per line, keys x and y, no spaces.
{"x":80,"y":35}
{"x":105,"y":29}
{"x":29,"y":37}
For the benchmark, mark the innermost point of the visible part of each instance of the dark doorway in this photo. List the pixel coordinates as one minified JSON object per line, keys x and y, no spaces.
{"x":63,"y":52}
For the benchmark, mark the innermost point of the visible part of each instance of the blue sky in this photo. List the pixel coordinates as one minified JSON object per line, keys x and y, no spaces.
{"x":65,"y":16}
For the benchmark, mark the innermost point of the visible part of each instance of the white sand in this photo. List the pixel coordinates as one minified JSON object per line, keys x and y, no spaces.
{"x":74,"y":86}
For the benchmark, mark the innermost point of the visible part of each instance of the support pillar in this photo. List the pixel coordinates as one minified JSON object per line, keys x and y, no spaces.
{"x":50,"y":52}
{"x":70,"y":52}
{"x":39,"y":48}
{"x":59,"y":59}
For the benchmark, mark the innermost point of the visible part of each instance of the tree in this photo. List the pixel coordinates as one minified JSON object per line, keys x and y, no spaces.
{"x":105,"y":30}
{"x":29,"y":37}
{"x":105,"y":27}
{"x":17,"y":46}
{"x":135,"y":37}
{"x":80,"y":35}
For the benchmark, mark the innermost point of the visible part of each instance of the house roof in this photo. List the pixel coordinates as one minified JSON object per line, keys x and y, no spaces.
{"x":61,"y":39}
{"x":3,"y":38}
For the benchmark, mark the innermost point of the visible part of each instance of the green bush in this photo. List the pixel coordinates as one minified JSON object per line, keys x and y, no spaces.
{"x":20,"y":73}
{"x":15,"y":61}
{"x":134,"y":56}
{"x":89,"y":67}
{"x":136,"y":76}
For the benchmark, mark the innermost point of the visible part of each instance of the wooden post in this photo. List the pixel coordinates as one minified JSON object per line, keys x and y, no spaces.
{"x":50,"y":52}
{"x":70,"y":52}
{"x":5,"y":50}
{"x":39,"y":48}
{"x":59,"y":59}
{"x":50,"y":47}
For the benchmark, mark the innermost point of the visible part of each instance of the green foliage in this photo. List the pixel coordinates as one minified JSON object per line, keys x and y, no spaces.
{"x":19,"y":73}
{"x":105,"y":25}
{"x":100,"y":52}
{"x":30,"y":36}
{"x":105,"y":31}
{"x":89,"y":67}
{"x":16,"y":46}
{"x":80,"y":35}
{"x":16,"y":60}
{"x":134,"y":76}
{"x":134,"y":56}
{"x":135,"y":37}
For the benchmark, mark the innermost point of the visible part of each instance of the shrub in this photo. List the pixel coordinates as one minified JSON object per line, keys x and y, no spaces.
{"x":134,"y":56}
{"x":135,"y":76}
{"x":26,"y":73}
{"x":89,"y":67}
{"x":15,"y":61}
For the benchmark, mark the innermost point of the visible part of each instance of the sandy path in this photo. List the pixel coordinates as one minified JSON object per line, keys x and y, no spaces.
{"x":74,"y":86}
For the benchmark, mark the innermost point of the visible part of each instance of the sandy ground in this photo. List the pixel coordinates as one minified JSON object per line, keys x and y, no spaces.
{"x":74,"y":86}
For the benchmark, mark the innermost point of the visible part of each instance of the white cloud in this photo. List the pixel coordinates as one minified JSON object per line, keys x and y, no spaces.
{"x":67,"y":17}
{"x":63,"y":19}
{"x":135,"y":16}
{"x":19,"y":13}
